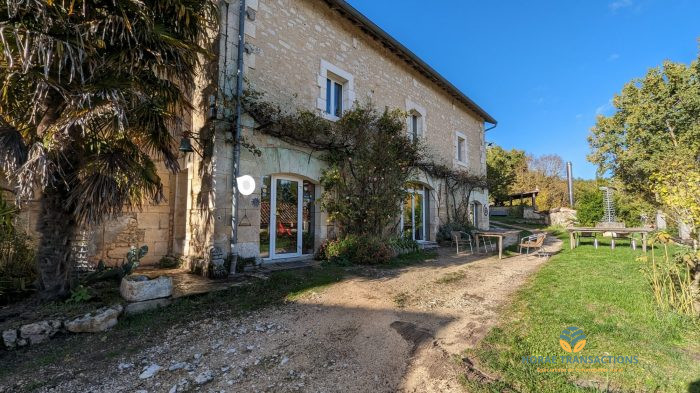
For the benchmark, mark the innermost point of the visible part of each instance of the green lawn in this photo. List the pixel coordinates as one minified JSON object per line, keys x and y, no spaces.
{"x":603,"y":292}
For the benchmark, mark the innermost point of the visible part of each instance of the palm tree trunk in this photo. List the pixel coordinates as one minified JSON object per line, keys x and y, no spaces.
{"x":57,"y":227}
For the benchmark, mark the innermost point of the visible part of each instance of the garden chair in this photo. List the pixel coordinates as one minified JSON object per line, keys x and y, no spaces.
{"x":532,"y":242}
{"x":458,"y":239}
{"x":486,"y":241}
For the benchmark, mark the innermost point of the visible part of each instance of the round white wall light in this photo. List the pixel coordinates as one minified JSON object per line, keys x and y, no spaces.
{"x":245,"y":184}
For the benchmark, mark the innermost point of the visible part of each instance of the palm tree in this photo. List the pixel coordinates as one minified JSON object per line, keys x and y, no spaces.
{"x":91,"y":93}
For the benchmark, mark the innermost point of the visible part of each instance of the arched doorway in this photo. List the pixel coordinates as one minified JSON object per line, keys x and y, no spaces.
{"x":287,"y":217}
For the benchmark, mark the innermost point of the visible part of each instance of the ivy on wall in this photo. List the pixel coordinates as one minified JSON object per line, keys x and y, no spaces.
{"x":370,"y":161}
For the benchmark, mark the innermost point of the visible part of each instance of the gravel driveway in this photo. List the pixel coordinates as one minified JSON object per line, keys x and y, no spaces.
{"x":384,"y":331}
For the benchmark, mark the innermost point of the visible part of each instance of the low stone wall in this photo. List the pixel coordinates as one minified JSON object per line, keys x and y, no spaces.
{"x":562,"y":216}
{"x":38,"y":332}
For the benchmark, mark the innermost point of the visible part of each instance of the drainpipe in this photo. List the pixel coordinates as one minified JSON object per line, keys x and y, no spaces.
{"x":237,"y":140}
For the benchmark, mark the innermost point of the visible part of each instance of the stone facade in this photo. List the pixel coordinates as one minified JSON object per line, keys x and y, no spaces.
{"x":291,"y":47}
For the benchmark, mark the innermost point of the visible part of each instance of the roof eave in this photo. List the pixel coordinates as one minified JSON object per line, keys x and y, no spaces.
{"x":406,"y":54}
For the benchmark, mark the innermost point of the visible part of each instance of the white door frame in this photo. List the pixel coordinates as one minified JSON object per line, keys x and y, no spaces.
{"x":273,"y":215}
{"x":412,"y":192}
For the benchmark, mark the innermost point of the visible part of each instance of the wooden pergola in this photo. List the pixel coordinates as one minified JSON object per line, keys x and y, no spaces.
{"x":522,"y":196}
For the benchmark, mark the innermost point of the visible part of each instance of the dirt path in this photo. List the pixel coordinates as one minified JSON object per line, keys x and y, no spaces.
{"x":386,"y":331}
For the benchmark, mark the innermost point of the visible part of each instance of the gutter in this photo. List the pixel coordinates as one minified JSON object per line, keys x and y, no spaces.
{"x":237,"y":138}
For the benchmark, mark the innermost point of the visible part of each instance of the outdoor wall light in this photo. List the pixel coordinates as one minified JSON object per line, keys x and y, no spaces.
{"x":186,"y":144}
{"x":245,"y":184}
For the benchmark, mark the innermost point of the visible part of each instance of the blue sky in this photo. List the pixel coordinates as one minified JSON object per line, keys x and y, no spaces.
{"x":543,"y":69}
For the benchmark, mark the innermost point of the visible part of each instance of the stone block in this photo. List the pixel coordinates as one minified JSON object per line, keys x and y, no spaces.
{"x":99,"y":321}
{"x":9,"y":338}
{"x":140,"y":288}
{"x":139,"y":307}
{"x":39,"y":332}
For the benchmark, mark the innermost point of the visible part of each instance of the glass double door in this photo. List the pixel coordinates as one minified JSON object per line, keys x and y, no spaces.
{"x":413,"y":215}
{"x":287,"y":225}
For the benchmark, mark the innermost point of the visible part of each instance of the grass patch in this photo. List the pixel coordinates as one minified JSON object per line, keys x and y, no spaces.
{"x":401,"y":299}
{"x":603,"y":292}
{"x":450,"y":277}
{"x":521,"y":222}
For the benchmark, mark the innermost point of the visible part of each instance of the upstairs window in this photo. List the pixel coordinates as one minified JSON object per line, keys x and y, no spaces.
{"x":334,"y":97}
{"x":415,"y":123}
{"x":337,"y":91}
{"x":461,"y":154}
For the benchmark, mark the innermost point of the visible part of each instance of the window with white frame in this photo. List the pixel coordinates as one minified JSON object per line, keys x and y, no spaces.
{"x":415,"y":125}
{"x":461,"y":147}
{"x":337,"y":91}
{"x":416,"y":120}
{"x":334,"y":97}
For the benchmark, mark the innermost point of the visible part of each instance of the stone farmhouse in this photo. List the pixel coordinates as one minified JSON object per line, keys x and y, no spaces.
{"x":320,"y":55}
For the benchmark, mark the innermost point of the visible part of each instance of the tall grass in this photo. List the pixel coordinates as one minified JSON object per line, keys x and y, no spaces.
{"x":672,"y":277}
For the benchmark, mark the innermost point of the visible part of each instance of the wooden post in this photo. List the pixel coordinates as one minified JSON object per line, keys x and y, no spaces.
{"x":572,"y":241}
{"x":500,"y":247}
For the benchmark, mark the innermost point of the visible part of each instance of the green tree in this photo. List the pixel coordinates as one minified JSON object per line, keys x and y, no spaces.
{"x":656,"y":119}
{"x":91,"y":91}
{"x":502,"y":167}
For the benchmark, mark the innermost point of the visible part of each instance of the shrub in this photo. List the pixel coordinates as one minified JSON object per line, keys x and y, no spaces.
{"x":17,"y":266}
{"x":169,"y":262}
{"x":404,"y":244}
{"x":357,"y":249}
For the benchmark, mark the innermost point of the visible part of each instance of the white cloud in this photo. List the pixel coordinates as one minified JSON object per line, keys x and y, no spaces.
{"x":618,"y":4}
{"x":613,"y":56}
{"x":579,"y":115}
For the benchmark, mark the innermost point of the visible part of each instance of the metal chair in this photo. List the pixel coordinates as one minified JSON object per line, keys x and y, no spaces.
{"x":533,"y":241}
{"x":458,"y":239}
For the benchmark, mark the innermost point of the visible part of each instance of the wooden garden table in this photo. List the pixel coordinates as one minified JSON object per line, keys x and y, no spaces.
{"x":497,"y":234}
{"x":575,"y":231}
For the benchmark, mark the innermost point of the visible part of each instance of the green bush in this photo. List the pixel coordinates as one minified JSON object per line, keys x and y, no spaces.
{"x":169,"y":262}
{"x":364,"y":250}
{"x":404,"y":244}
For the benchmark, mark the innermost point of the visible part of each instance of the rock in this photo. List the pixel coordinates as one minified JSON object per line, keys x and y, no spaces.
{"x":204,"y":377}
{"x":139,"y":307}
{"x":150,"y":371}
{"x":140,"y":288}
{"x":99,"y":321}
{"x":39,"y":332}
{"x":177,"y":366}
{"x":125,"y":366}
{"x":173,"y":389}
{"x":284,"y":361}
{"x":9,"y":338}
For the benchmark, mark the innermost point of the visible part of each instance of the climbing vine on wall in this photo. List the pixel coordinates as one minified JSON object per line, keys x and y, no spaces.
{"x":370,"y":161}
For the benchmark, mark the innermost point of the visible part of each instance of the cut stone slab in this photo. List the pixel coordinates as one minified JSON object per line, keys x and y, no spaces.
{"x":9,"y":338}
{"x":150,"y":371}
{"x":137,"y":288}
{"x":39,"y":332}
{"x":139,"y":307}
{"x":99,"y":321}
